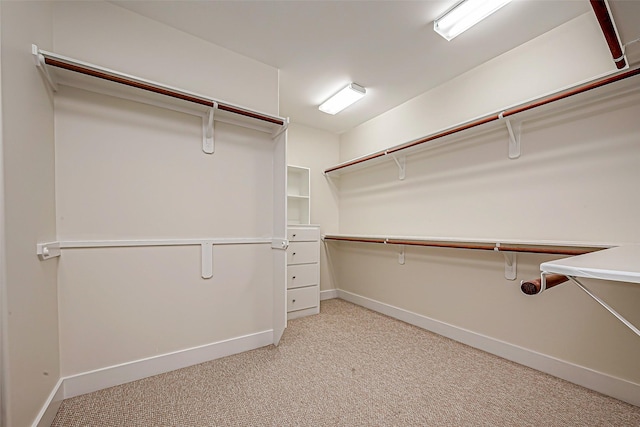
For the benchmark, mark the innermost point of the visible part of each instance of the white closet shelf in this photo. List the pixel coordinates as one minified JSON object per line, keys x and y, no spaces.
{"x":582,"y":93}
{"x":500,"y":245}
{"x":508,"y":247}
{"x":62,"y":70}
{"x":50,"y":250}
{"x":620,"y":264}
{"x":594,"y":261}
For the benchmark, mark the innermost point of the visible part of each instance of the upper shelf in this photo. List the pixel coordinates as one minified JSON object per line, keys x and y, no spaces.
{"x":62,"y":70}
{"x":562,"y":99}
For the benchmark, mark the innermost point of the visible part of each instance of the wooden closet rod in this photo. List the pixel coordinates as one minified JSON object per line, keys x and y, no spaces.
{"x":601,"y":11}
{"x":496,"y":116}
{"x":158,"y":89}
{"x":534,"y":286}
{"x":500,"y":247}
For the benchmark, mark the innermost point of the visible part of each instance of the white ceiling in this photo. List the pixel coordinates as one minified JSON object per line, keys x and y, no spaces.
{"x":387,"y":46}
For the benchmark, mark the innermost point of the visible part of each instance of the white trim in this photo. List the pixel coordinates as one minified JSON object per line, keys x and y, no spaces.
{"x":328,"y":294}
{"x":88,"y":382}
{"x":99,"y":379}
{"x":603,"y":383}
{"x":50,"y":409}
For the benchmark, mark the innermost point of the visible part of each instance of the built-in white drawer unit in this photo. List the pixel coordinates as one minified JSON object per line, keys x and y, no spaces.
{"x":303,"y":270}
{"x":303,"y":253}
{"x":301,"y":298}
{"x":302,"y":275}
{"x":303,"y":234}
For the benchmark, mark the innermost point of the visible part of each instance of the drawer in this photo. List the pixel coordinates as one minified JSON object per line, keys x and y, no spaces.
{"x":301,"y":298}
{"x":303,"y":234}
{"x":302,"y":275}
{"x":303,"y":253}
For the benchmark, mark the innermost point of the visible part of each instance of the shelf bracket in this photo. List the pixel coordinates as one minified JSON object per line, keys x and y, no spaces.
{"x":206,"y":250}
{"x":48,"y":250}
{"x":401,"y":255}
{"x":332,"y":180}
{"x":281,"y":130}
{"x":208,"y":143}
{"x":514,"y":137}
{"x":510,"y":263}
{"x":606,"y":306}
{"x":543,"y":281}
{"x":42,"y":66}
{"x":401,"y":162}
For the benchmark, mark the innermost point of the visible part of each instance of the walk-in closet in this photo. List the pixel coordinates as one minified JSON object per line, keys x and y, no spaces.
{"x":194,"y":232}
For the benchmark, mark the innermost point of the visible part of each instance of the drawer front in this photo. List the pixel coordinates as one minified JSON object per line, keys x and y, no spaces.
{"x":303,"y":234}
{"x":301,"y":298}
{"x":303,"y":253}
{"x":302,"y":275}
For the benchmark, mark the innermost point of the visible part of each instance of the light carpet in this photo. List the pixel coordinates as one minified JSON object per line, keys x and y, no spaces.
{"x":349,"y":366}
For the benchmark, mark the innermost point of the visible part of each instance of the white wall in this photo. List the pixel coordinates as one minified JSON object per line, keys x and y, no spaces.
{"x":116,"y":38}
{"x":131,"y":171}
{"x":318,"y":150}
{"x":579,"y":164}
{"x":562,"y":57}
{"x":104,"y":292}
{"x":30,"y":311}
{"x":575,"y":181}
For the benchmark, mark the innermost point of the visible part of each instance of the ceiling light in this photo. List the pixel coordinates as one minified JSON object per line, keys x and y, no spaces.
{"x":343,"y":99}
{"x":465,"y":15}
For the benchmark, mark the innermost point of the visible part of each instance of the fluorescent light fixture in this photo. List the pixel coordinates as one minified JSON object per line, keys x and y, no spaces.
{"x":465,"y":15}
{"x":343,"y":99}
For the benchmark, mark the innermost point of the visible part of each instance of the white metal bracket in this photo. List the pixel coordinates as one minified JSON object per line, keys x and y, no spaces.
{"x":207,"y":259}
{"x":208,"y":143}
{"x":514,"y":137}
{"x":543,"y":281}
{"x":510,"y":263}
{"x":48,"y":250}
{"x":401,"y":255}
{"x":606,"y":306}
{"x":332,"y":180}
{"x":402,"y":164}
{"x":281,"y":130}
{"x":39,"y":60}
{"x":281,"y":244}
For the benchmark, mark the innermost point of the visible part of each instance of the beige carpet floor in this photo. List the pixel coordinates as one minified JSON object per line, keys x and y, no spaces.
{"x":349,"y":366}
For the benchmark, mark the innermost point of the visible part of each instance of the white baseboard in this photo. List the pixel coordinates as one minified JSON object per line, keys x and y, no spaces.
{"x":328,"y":294}
{"x":99,"y":379}
{"x":50,"y":409}
{"x":606,"y":384}
{"x":88,"y":382}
